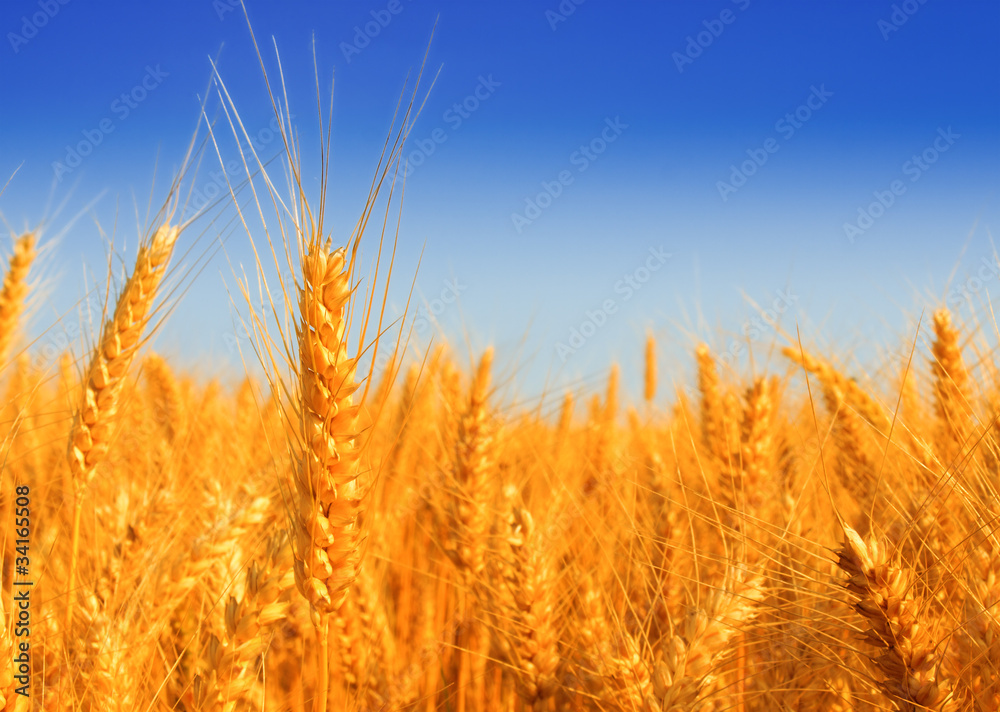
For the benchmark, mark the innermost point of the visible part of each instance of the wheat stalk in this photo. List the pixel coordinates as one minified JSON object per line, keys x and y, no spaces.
{"x":94,"y":422}
{"x":327,"y":533}
{"x":119,"y":341}
{"x":685,"y":669}
{"x":909,"y":660}
{"x":530,"y":578}
{"x":14,"y":290}
{"x":713,"y":414}
{"x":952,"y":393}
{"x":649,"y":375}
{"x":468,"y":520}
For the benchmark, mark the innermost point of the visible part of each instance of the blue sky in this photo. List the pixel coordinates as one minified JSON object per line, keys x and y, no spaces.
{"x":835,"y":163}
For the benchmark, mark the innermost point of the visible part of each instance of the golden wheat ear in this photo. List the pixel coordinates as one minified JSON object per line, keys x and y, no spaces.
{"x":469,"y":487}
{"x":952,"y":388}
{"x":327,"y":532}
{"x":713,"y":413}
{"x":898,"y":627}
{"x":14,"y":291}
{"x":531,"y":615}
{"x":312,"y":362}
{"x":113,"y":355}
{"x":100,"y":400}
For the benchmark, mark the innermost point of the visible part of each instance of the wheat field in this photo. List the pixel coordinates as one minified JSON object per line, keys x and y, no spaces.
{"x":331,"y":536}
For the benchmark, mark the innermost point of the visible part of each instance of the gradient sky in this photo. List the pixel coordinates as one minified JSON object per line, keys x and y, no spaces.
{"x":902,"y":96}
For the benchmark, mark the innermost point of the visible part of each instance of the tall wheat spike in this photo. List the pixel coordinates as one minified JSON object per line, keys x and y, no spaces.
{"x":756,"y":440}
{"x":95,"y":419}
{"x":532,"y":618}
{"x":952,"y":393}
{"x":685,"y":670}
{"x":327,"y":531}
{"x":649,"y":380}
{"x":14,"y":290}
{"x":909,"y":659}
{"x":326,"y":521}
{"x":713,"y":413}
{"x":468,"y":518}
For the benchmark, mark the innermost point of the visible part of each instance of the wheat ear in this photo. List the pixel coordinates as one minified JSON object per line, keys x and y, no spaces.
{"x":15,"y":288}
{"x":951,"y":387}
{"x":532,"y":619}
{"x":757,"y":446}
{"x":327,"y":533}
{"x":649,"y":380}
{"x":686,"y":668}
{"x":93,"y":425}
{"x":232,"y":676}
{"x":327,"y":527}
{"x":468,"y":518}
{"x":468,"y":515}
{"x":166,"y":399}
{"x":838,"y":389}
{"x":909,"y":660}
{"x":713,"y":413}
